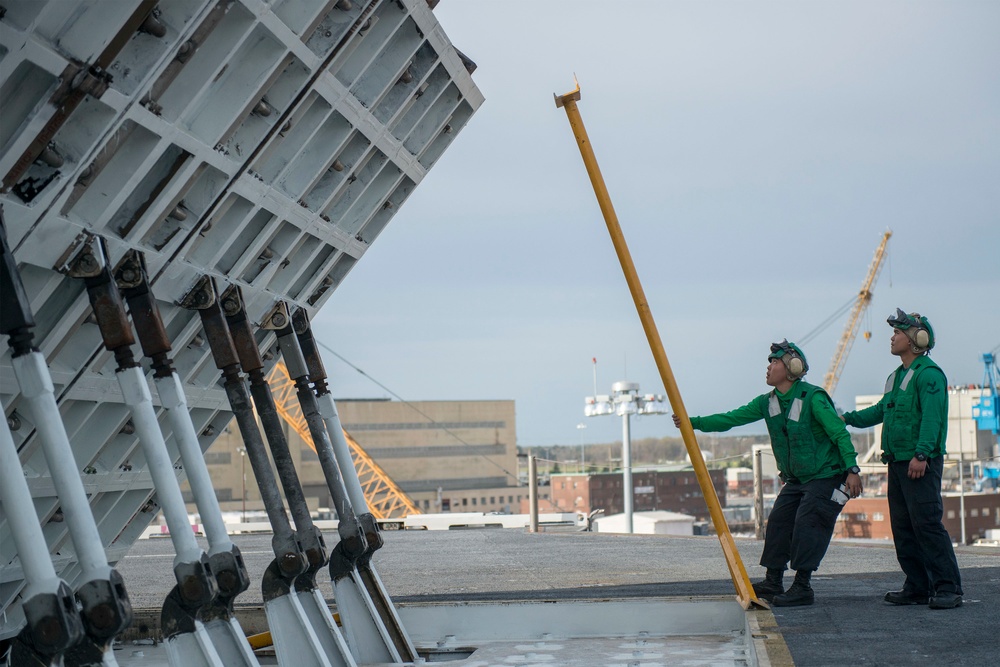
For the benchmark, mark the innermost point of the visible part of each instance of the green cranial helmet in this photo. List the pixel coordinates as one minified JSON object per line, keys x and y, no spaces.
{"x":916,"y":327}
{"x":791,"y":356}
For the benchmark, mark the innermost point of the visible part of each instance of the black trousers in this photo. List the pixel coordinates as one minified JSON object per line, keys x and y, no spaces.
{"x":801,"y":524}
{"x":923,"y":546}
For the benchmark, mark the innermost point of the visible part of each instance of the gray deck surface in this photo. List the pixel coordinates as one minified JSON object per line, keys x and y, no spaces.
{"x":848,"y":624}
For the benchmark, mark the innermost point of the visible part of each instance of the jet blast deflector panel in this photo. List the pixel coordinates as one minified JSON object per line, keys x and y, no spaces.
{"x":265,"y":144}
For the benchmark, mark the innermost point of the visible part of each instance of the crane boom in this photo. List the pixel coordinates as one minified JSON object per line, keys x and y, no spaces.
{"x":385,"y":498}
{"x":864,"y":298}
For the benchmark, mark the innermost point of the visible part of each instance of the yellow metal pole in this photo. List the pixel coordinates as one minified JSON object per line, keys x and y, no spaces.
{"x":744,"y":590}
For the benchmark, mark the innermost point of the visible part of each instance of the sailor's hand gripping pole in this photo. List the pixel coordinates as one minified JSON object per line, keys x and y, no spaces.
{"x":744,"y":590}
{"x":294,"y":629}
{"x":224,"y":557}
{"x":105,"y":609}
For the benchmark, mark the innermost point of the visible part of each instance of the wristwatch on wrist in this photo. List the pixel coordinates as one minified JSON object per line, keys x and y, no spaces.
{"x":854,"y":470}
{"x":920,"y":456}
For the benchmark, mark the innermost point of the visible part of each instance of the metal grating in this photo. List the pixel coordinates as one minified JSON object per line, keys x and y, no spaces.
{"x":264,"y":143}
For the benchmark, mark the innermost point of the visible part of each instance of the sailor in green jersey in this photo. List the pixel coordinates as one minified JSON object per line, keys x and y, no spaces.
{"x":914,"y":417}
{"x":818,"y":466}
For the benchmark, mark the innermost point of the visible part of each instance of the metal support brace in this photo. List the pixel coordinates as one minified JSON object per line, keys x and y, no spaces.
{"x":328,"y":409}
{"x":309,"y":536}
{"x":366,"y":633}
{"x":293,"y":629}
{"x":105,"y":607}
{"x":54,"y":622}
{"x":741,"y":582}
{"x":225,"y":559}
{"x":196,"y":586}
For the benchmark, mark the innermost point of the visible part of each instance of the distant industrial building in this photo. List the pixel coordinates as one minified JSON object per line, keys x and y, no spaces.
{"x":673,"y":490}
{"x":869,"y":517}
{"x":447,"y":456}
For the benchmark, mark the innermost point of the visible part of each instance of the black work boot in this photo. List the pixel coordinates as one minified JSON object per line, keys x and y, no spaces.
{"x":771,"y":585}
{"x":905,"y":596}
{"x":945,"y":600}
{"x":799,"y":593}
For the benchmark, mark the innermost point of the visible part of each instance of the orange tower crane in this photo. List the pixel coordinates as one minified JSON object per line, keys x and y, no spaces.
{"x":864,"y":298}
{"x":385,"y":499}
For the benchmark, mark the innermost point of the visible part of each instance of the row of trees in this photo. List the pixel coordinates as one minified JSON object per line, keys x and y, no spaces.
{"x":722,"y":451}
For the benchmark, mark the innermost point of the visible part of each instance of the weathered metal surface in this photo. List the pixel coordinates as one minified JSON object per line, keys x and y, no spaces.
{"x":265,"y":144}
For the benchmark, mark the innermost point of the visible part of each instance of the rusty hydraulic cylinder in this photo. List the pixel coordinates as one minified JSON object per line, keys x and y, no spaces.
{"x":744,"y":591}
{"x":328,"y":409}
{"x":372,"y":640}
{"x":196,"y":586}
{"x":309,"y":536}
{"x":353,"y":544}
{"x":317,"y":376}
{"x":289,"y":561}
{"x":301,"y":625}
{"x":225,"y":558}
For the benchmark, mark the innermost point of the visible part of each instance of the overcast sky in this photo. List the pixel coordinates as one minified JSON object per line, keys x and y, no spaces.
{"x":755,"y":153}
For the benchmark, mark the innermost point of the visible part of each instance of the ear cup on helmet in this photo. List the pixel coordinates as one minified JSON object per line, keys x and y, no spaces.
{"x":795,"y":366}
{"x":921,"y":338}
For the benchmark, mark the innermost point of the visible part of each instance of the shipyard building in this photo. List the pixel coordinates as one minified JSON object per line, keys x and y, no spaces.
{"x":447,"y":456}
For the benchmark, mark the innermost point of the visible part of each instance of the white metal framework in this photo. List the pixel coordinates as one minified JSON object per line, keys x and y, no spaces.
{"x":263,"y":143}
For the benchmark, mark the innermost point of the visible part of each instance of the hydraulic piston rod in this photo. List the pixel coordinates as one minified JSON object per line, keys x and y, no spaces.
{"x":366,"y":633}
{"x":105,"y":607}
{"x":294,"y":629}
{"x":196,"y":585}
{"x":744,"y":591}
{"x":224,"y":557}
{"x":342,"y":451}
{"x":309,"y":536}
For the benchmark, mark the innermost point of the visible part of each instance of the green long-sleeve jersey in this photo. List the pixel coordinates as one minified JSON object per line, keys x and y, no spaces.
{"x":914,"y":410}
{"x":831,"y":451}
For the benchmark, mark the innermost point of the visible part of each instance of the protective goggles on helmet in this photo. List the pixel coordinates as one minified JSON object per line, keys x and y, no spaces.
{"x":779,"y":350}
{"x":904,"y":321}
{"x":791,"y":356}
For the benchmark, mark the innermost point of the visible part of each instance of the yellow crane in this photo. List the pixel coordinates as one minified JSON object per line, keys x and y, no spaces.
{"x":864,"y":298}
{"x":385,"y":499}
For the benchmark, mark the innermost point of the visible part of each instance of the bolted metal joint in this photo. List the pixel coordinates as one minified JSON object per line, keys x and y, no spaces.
{"x":373,"y":535}
{"x":230,"y":573}
{"x":277,"y":318}
{"x":131,"y":271}
{"x":291,"y":562}
{"x":53,"y":621}
{"x":314,"y":548}
{"x":106,"y":607}
{"x":201,"y":296}
{"x":232,"y":301}
{"x":352,"y":539}
{"x":196,"y":583}
{"x":86,"y":258}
